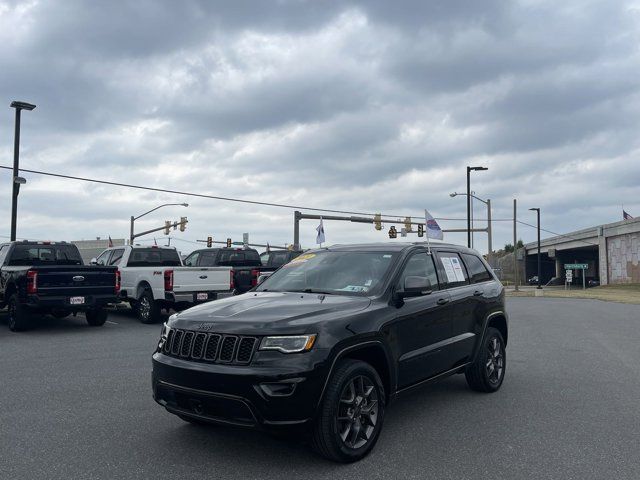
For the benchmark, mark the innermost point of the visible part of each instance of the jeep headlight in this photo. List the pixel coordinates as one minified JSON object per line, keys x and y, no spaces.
{"x":163,"y":336}
{"x":289,"y":343}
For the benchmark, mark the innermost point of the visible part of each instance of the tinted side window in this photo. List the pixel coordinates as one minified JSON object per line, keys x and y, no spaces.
{"x":154,"y":257}
{"x":116,"y":256}
{"x":453,"y":272}
{"x":477,"y":270}
{"x":420,"y":265}
{"x":3,"y":253}
{"x":103,"y":258}
{"x":277,"y":259}
{"x":192,"y":260}
{"x":208,"y":259}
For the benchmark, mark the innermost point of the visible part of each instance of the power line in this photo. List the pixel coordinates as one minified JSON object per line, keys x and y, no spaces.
{"x":213,"y":197}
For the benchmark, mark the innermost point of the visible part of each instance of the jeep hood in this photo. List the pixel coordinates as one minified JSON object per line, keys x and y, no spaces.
{"x":268,"y":312}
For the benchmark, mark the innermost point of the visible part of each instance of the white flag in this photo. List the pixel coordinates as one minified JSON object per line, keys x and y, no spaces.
{"x":320,"y":230}
{"x":433,"y":229}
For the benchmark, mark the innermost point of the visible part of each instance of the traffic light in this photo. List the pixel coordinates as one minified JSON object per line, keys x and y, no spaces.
{"x":393,"y":233}
{"x":209,"y":242}
{"x":377,"y":220}
{"x":421,"y":230}
{"x":407,"y":224}
{"x":228,"y":243}
{"x":167,"y":227}
{"x":183,"y":223}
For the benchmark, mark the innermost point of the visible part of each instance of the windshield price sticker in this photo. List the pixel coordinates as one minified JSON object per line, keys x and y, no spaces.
{"x":457,"y":268}
{"x":453,"y":269}
{"x":302,"y":258}
{"x":448,"y":268}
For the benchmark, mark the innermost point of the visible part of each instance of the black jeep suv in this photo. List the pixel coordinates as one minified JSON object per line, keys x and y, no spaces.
{"x":329,"y":340}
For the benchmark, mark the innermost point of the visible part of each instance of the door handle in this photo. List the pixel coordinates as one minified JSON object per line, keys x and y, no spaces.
{"x":477,"y":293}
{"x":442,"y":301}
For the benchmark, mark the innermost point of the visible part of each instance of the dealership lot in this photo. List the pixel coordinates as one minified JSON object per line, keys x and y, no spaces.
{"x":76,"y":403}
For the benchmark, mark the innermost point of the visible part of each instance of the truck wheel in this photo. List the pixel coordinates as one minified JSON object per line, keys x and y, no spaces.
{"x":147,"y":308}
{"x":96,"y":317}
{"x":17,"y":315}
{"x":351,"y":414}
{"x":487,"y":372}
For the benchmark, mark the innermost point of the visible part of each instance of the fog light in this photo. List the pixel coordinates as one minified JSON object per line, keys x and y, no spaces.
{"x":280,"y":389}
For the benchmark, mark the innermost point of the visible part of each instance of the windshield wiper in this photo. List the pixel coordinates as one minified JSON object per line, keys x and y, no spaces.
{"x":313,"y":290}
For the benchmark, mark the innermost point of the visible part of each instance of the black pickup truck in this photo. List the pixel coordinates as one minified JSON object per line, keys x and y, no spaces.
{"x":246,"y":264}
{"x":50,"y":277}
{"x":277,"y":258}
{"x":324,"y":344}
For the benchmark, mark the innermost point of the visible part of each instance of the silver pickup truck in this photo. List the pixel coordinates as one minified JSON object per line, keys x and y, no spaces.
{"x":153,"y":278}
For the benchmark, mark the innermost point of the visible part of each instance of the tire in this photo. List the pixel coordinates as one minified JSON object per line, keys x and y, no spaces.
{"x":18,"y":316}
{"x":351,"y":414}
{"x":486,"y":373}
{"x":147,"y":309}
{"x":96,"y":317}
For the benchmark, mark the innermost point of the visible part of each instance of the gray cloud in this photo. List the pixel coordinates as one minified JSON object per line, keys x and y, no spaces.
{"x":365,"y":106}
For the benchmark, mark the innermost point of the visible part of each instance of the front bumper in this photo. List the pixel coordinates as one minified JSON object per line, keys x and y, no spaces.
{"x":275,"y":391}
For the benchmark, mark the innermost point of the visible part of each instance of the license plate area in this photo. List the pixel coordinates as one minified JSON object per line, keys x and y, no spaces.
{"x":76,"y":300}
{"x":202,"y":296}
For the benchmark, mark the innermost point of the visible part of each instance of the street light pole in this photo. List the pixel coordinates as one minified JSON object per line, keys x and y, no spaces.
{"x":537,"y":210}
{"x":133,"y":219}
{"x":469,"y":169}
{"x":489,"y":227}
{"x":16,"y":180}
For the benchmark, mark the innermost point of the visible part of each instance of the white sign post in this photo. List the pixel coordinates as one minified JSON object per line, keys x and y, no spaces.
{"x":568,"y":279}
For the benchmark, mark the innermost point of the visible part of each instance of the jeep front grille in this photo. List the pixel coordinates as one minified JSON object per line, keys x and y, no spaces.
{"x":210,"y":347}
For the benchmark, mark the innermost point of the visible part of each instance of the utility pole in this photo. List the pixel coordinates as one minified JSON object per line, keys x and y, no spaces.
{"x":537,"y":210}
{"x":515,"y":246}
{"x":489,"y":241}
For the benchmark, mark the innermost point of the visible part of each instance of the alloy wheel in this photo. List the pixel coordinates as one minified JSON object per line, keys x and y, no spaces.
{"x":495,"y":361}
{"x":357,"y":413}
{"x":144,"y":307}
{"x":12,"y":310}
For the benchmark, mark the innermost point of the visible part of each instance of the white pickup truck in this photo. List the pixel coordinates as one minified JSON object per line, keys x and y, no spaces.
{"x":153,"y":278}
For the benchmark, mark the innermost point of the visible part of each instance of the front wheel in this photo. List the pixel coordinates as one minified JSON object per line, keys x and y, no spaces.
{"x":18,"y":315}
{"x":351,"y":414}
{"x":486,"y":374}
{"x":147,"y":308}
{"x":96,"y":317}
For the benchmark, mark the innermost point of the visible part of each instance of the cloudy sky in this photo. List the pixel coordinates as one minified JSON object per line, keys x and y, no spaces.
{"x":368,"y":106}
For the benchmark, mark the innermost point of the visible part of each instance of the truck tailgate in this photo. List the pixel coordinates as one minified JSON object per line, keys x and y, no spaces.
{"x":201,"y":279}
{"x":75,"y":280}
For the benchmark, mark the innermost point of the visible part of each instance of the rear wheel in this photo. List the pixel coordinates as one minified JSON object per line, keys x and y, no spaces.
{"x":351,"y":414}
{"x":147,"y":308}
{"x":486,"y":374}
{"x":96,"y":317}
{"x":18,"y":315}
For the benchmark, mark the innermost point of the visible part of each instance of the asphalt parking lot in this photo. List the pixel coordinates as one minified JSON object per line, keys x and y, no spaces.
{"x":76,"y":403}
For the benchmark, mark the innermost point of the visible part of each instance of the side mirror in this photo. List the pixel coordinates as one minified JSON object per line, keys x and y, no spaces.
{"x":262,"y":278}
{"x":94,"y":261}
{"x":415,"y":286}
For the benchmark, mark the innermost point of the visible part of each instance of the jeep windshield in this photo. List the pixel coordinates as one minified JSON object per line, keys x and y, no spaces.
{"x":334,"y":273}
